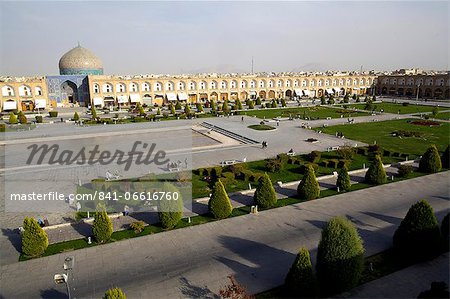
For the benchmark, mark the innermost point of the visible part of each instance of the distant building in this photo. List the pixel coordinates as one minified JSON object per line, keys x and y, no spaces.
{"x":423,"y":85}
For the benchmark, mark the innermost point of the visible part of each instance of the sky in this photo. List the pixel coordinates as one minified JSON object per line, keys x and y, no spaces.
{"x":192,"y":37}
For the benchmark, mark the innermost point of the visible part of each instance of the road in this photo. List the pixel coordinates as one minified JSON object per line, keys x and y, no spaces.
{"x":195,"y":261}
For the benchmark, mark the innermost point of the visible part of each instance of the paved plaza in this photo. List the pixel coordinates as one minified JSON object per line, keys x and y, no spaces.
{"x":258,"y":249}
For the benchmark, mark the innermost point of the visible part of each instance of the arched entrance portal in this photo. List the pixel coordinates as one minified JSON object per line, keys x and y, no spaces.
{"x":288,"y":93}
{"x":271,"y":94}
{"x":69,"y":92}
{"x":262,"y":94}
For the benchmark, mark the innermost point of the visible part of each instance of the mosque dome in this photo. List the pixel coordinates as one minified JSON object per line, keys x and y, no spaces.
{"x":80,"y":61}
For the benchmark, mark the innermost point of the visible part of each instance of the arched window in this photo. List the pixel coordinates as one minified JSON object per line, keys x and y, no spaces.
{"x":327,"y":82}
{"x":133,"y":87}
{"x":107,"y":88}
{"x":271,"y":83}
{"x":38,"y":91}
{"x":120,"y":87}
{"x":280,"y":83}
{"x":213,"y":85}
{"x":355,"y":82}
{"x":341,"y":82}
{"x":312,"y":83}
{"x":7,"y":91}
{"x":192,"y":85}
{"x":233,"y":84}
{"x":223,"y":85}
{"x":158,"y":86}
{"x":145,"y":86}
{"x":243,"y":84}
{"x":252,"y":84}
{"x":295,"y":83}
{"x":319,"y":82}
{"x":96,"y":88}
{"x":262,"y":83}
{"x":304,"y":83}
{"x":169,"y":86}
{"x":24,"y":91}
{"x":181,"y":85}
{"x":335,"y":82}
{"x":203,"y":85}
{"x":349,"y":82}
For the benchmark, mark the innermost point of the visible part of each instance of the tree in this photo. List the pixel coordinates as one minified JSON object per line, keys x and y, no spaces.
{"x":251,"y":105}
{"x":340,"y":257}
{"x":331,"y":100}
{"x":76,"y":117}
{"x":238,"y":104}
{"x":172,"y":109}
{"x":343,"y":179}
{"x":187,"y":109}
{"x":158,"y":111}
{"x":418,"y":234}
{"x":435,"y":111}
{"x":213,"y":106}
{"x":445,"y":158}
{"x":114,"y":293}
{"x":283,"y":103}
{"x":309,"y":187}
{"x":170,"y":211}
{"x":219,"y":204}
{"x":141,"y":109}
{"x":102,"y":227}
{"x":34,"y":238}
{"x":225,"y":107}
{"x":199,"y":107}
{"x":430,"y":161}
{"x":178,"y":105}
{"x":376,"y":173}
{"x":274,"y":104}
{"x":22,"y":118}
{"x":300,"y":280}
{"x":258,"y":101}
{"x":322,"y":100}
{"x":12,"y":118}
{"x":265,"y":196}
{"x":94,"y":112}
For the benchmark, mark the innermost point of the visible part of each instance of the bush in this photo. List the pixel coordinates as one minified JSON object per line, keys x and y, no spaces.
{"x":346,"y":152}
{"x":12,"y":118}
{"x":300,"y":280}
{"x":34,"y":238}
{"x":375,"y":149}
{"x":265,"y":196}
{"x":340,"y":257}
{"x":304,"y":167}
{"x":178,"y":105}
{"x":114,"y":293}
{"x":376,"y":173}
{"x":309,"y":187}
{"x":362,"y":151}
{"x":333,"y":163}
{"x":170,"y":212}
{"x":418,"y":235}
{"x":404,"y":170}
{"x":76,"y":117}
{"x":228,"y":178}
{"x":274,"y":165}
{"x":255,"y":177}
{"x":251,"y":105}
{"x":445,"y":226}
{"x":22,"y":118}
{"x":93,"y":111}
{"x":343,"y":163}
{"x":445,"y":158}
{"x":314,"y":156}
{"x":343,"y":179}
{"x":219,"y":204}
{"x":137,"y":226}
{"x":39,"y":119}
{"x":216,"y":172}
{"x":187,"y":109}
{"x":236,"y":169}
{"x":55,"y":113}
{"x":102,"y":227}
{"x":430,"y":161}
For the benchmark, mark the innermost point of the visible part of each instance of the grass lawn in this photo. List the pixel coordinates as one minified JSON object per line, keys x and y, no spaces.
{"x":381,"y":133}
{"x":442,"y":115}
{"x":261,"y":127}
{"x":316,"y":112}
{"x":395,"y":108}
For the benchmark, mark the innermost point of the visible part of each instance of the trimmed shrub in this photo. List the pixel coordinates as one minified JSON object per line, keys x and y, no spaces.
{"x":300,"y":280}
{"x":55,"y":113}
{"x":187,"y":109}
{"x":291,"y":160}
{"x":219,"y":204}
{"x":102,"y":227}
{"x":216,"y":172}
{"x":265,"y":196}
{"x":76,"y":117}
{"x":418,"y":235}
{"x":93,"y":111}
{"x":362,"y":151}
{"x":445,"y":226}
{"x":39,"y":119}
{"x":274,"y":165}
{"x":34,"y":238}
{"x":228,"y":178}
{"x":430,"y":162}
{"x":314,"y":156}
{"x":304,"y":167}
{"x":12,"y":118}
{"x":345,"y":163}
{"x":255,"y":177}
{"x":375,"y":149}
{"x":172,"y":109}
{"x":445,"y":158}
{"x":376,"y":173}
{"x":137,"y":226}
{"x":178,"y":105}
{"x":386,"y":153}
{"x":251,"y":105}
{"x":333,"y":163}
{"x":22,"y":118}
{"x":323,"y":163}
{"x":170,"y":212}
{"x":309,"y":187}
{"x":340,"y":257}
{"x":404,"y":170}
{"x":346,"y":152}
{"x":343,"y":179}
{"x":114,"y":293}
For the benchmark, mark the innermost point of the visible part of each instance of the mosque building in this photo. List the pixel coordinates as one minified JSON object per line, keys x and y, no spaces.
{"x":81,"y":82}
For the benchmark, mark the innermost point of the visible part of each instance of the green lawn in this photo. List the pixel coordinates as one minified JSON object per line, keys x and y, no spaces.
{"x":381,"y":133}
{"x":395,"y":108}
{"x":302,"y":112}
{"x":442,"y":115}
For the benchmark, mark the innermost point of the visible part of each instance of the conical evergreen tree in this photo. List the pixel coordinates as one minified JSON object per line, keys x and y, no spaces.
{"x":187,"y":109}
{"x":340,"y":257}
{"x":376,"y":173}
{"x":102,"y":227}
{"x":170,"y":212}
{"x":213,"y":106}
{"x":445,"y":159}
{"x":219,"y":204}
{"x":430,"y":161}
{"x":265,"y":196}
{"x":12,"y":118}
{"x":76,"y":117}
{"x":251,"y":105}
{"x":309,"y":187}
{"x":300,"y":280}
{"x":114,"y":293}
{"x":343,"y":179}
{"x":34,"y":238}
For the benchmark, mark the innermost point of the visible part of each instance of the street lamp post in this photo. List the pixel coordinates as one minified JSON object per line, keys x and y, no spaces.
{"x":417,"y":94}
{"x":64,"y":278}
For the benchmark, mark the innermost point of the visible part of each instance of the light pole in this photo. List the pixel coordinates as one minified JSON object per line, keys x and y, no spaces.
{"x":417,"y":94}
{"x":64,"y":278}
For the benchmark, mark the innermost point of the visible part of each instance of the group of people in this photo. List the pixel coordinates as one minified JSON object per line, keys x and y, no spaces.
{"x":264,"y":144}
{"x":43,"y":223}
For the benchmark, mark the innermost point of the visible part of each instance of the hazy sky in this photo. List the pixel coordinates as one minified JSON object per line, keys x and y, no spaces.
{"x":186,"y":37}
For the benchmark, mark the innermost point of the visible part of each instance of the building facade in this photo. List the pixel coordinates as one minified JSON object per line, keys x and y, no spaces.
{"x":23,"y":94}
{"x":435,"y":86}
